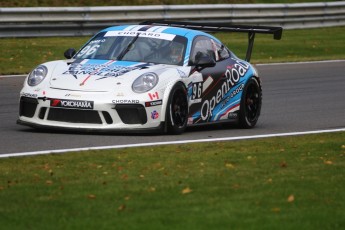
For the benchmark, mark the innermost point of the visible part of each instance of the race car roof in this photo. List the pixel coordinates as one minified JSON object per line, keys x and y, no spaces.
{"x":157,"y":29}
{"x":224,"y":27}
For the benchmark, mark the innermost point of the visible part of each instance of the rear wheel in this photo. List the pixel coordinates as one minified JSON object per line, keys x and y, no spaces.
{"x":251,"y":102}
{"x":177,"y":110}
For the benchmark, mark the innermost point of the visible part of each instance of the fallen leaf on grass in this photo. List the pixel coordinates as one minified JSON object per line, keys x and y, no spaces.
{"x":122,"y":207}
{"x":91,"y":196}
{"x":275,"y":209}
{"x":49,"y":182}
{"x":236,"y":186}
{"x":291,"y":198}
{"x":152,"y":189}
{"x":46,"y":167}
{"x":186,"y":190}
{"x":328,"y":162}
{"x":283,"y":164}
{"x":229,"y":166}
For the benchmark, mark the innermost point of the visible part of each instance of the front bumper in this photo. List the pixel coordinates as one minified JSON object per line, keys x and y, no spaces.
{"x":39,"y":113}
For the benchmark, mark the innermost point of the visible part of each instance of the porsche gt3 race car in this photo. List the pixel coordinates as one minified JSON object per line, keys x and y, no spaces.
{"x":159,"y":75}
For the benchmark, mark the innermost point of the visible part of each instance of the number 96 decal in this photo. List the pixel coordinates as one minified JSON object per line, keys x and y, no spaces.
{"x":196,"y":90}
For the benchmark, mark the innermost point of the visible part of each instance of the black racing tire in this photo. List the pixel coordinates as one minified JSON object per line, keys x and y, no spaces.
{"x":177,"y":110}
{"x":251,"y":103}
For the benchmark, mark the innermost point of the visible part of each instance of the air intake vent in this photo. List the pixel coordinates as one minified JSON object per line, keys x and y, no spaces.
{"x":74,"y":116}
{"x":132,"y":114}
{"x":27,"y":106}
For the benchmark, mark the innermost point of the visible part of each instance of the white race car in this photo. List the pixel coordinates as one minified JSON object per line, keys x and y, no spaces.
{"x":160,"y":76}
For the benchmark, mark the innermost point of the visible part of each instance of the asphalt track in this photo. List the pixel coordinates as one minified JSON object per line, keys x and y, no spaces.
{"x":297,"y":97}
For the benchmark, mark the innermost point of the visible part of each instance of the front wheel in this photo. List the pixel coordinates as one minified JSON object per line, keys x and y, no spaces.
{"x":251,"y":102}
{"x":177,"y":110}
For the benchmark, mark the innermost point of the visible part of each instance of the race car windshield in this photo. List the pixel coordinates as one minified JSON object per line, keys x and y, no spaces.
{"x":136,"y":46}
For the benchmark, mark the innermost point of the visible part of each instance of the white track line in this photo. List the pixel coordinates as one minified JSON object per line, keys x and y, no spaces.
{"x":167,"y":143}
{"x":297,"y":63}
{"x":177,"y":142}
{"x":6,"y":76}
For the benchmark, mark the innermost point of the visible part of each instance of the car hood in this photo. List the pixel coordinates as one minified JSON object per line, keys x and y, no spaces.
{"x":99,"y":75}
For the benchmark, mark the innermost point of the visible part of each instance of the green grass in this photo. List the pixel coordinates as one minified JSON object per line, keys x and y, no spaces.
{"x":35,"y":3}
{"x":295,"y":45}
{"x":276,"y":183}
{"x":21,"y":55}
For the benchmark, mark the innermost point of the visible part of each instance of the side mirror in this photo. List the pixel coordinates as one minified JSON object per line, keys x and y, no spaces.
{"x":203,"y":60}
{"x":69,"y":53}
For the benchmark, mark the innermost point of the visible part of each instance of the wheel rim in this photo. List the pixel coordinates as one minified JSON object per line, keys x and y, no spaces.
{"x":252,"y":103}
{"x":179,"y":109}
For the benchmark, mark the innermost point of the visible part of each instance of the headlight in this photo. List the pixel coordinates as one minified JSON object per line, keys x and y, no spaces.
{"x":37,"y":75}
{"x":145,"y":82}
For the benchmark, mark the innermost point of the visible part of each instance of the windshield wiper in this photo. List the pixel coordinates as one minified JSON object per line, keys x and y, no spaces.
{"x":125,"y":51}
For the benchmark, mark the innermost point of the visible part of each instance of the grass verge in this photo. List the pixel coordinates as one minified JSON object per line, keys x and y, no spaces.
{"x":21,"y":55}
{"x":275,"y":183}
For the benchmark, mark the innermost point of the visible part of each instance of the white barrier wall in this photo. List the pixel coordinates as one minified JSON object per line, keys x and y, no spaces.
{"x":71,"y":21}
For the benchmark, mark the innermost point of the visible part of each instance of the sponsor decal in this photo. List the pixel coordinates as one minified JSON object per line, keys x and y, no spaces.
{"x":153,"y":103}
{"x":233,"y":93}
{"x":153,"y":96}
{"x":181,"y":73}
{"x":71,"y":104}
{"x":97,"y":41}
{"x":103,"y":71}
{"x":72,"y":95}
{"x":233,"y":75}
{"x":154,"y":115}
{"x":146,"y":34}
{"x":190,"y":121}
{"x":124,"y":101}
{"x":32,"y":95}
{"x":232,"y":115}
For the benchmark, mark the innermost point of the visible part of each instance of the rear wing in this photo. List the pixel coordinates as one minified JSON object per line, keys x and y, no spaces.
{"x":219,"y":27}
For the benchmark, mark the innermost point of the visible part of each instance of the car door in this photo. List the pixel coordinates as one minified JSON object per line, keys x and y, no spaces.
{"x":209,"y":85}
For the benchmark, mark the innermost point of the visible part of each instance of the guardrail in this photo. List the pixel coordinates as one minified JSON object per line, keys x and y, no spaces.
{"x":72,"y":21}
